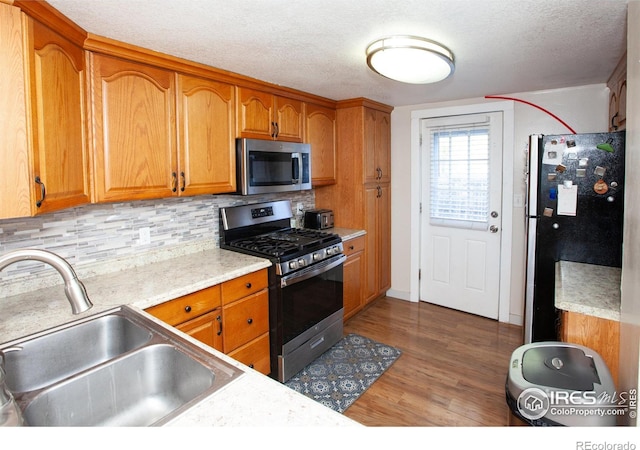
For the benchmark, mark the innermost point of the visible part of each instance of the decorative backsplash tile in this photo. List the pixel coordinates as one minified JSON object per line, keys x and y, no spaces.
{"x":95,"y":235}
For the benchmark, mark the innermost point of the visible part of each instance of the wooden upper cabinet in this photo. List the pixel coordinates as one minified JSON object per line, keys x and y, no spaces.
{"x":134,"y":130}
{"x":206,"y":143}
{"x":42,"y":105}
{"x":320,"y":130}
{"x":57,"y":78}
{"x":289,"y":119}
{"x":377,"y":158}
{"x":16,"y":184}
{"x":262,"y":115}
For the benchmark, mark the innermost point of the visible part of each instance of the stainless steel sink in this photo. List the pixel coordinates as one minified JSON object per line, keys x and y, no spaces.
{"x":118,"y":368}
{"x":137,"y":390}
{"x":63,"y":352}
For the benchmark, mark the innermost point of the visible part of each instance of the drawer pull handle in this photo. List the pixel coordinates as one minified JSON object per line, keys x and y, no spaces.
{"x":219,"y":319}
{"x":248,"y":285}
{"x":187,"y":308}
{"x":249,"y":320}
{"x":251,"y":366}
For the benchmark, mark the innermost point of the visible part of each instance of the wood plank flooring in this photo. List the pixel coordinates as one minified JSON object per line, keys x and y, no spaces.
{"x":452,"y":370}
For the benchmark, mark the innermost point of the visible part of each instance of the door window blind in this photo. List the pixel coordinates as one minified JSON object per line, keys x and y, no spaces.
{"x":459,"y":187}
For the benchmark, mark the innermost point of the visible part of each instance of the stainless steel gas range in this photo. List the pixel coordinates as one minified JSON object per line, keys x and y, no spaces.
{"x":305,"y":280}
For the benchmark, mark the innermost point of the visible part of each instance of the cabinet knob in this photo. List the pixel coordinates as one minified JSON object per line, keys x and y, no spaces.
{"x":187,"y":308}
{"x":251,"y":366}
{"x":249,"y":320}
{"x":248,"y":285}
{"x":351,"y":247}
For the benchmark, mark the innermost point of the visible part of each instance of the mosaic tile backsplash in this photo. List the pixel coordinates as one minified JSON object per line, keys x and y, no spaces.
{"x":97,"y":234}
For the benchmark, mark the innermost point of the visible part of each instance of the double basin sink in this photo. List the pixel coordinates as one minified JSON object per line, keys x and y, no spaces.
{"x":116,"y":368}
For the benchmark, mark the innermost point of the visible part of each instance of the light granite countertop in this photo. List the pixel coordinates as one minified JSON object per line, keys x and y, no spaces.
{"x":252,"y":399}
{"x":346,"y":233}
{"x":588,"y":289}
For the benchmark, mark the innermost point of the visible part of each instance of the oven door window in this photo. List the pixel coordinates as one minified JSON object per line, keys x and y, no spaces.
{"x":308,"y":302}
{"x":270,"y":169}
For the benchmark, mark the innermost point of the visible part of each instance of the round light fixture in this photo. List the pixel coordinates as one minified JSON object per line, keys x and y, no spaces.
{"x":410,"y":59}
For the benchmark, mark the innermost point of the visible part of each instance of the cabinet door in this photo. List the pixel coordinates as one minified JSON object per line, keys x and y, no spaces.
{"x":206,"y":143}
{"x":378,"y":226}
{"x":16,"y":184}
{"x":371,"y":286}
{"x":377,"y":144}
{"x":206,"y":328}
{"x":134,"y":126}
{"x":321,"y":134}
{"x":58,"y":111}
{"x":353,"y":276}
{"x":255,"y":114}
{"x":245,"y":320}
{"x":289,"y":121}
{"x":383,"y":145}
{"x":383,"y":230}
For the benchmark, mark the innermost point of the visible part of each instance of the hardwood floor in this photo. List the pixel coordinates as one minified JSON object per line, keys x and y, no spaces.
{"x":452,"y":370}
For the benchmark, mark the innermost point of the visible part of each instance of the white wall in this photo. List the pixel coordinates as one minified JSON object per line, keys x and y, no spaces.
{"x":583,"y":108}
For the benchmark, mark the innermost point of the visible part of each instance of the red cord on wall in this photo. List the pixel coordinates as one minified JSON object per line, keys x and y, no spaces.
{"x":535,"y":106}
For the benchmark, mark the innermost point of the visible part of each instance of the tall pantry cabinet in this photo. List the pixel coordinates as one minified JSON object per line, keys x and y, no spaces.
{"x":361,"y":197}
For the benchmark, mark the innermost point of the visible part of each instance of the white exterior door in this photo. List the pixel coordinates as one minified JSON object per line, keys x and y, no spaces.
{"x":461,"y":212}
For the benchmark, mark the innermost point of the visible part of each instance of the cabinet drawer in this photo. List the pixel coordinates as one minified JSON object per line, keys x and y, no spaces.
{"x":245,"y":320}
{"x":255,"y":354}
{"x":187,"y":307}
{"x":237,"y":288}
{"x":353,"y":245}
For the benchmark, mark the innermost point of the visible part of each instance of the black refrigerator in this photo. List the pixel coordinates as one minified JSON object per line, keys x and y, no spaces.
{"x":574,"y":212}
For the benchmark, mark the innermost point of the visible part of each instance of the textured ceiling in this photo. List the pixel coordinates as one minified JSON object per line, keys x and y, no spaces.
{"x":500,"y":46}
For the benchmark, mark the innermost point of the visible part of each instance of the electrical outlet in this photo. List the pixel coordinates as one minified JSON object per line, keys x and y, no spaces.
{"x":144,"y":235}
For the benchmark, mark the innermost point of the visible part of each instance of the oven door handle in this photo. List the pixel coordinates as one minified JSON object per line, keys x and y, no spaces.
{"x":313,"y":271}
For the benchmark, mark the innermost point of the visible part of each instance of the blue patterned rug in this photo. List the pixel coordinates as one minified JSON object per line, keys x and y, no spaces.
{"x":341,"y":374}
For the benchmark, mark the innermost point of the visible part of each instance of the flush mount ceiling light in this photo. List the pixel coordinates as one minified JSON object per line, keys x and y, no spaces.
{"x":410,"y":59}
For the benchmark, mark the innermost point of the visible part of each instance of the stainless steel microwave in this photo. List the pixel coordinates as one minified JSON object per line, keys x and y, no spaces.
{"x":265,"y":166}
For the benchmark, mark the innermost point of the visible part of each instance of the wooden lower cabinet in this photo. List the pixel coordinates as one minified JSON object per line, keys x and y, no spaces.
{"x":232,"y":317}
{"x":206,"y":328}
{"x":354,"y":276}
{"x":255,"y":354}
{"x":600,"y":335}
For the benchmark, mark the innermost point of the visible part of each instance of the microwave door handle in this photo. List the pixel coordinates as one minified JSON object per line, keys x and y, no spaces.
{"x":296,"y":167}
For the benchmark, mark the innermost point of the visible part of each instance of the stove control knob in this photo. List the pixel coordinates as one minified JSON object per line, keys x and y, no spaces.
{"x":317,"y":256}
{"x":302,"y":262}
{"x":329,"y":251}
{"x":293,"y":265}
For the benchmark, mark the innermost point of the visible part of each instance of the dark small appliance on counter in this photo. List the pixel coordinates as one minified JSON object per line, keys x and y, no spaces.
{"x":318,"y":219}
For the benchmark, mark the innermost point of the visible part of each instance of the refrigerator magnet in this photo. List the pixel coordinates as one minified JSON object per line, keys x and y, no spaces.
{"x":551,"y":176}
{"x":581,"y":173}
{"x":600,"y":187}
{"x":553,"y":194}
{"x":583,"y":162}
{"x":600,"y":171}
{"x":561,"y":168}
{"x":548,"y":212}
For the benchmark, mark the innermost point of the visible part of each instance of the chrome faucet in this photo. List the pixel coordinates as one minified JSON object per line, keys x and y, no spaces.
{"x":73,"y":288}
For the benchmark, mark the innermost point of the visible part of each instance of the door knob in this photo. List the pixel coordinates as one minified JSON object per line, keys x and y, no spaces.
{"x":493,"y":229}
